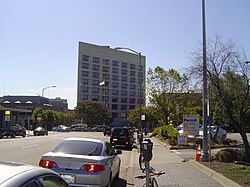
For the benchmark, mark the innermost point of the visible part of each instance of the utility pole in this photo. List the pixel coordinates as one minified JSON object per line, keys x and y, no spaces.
{"x":204,"y":96}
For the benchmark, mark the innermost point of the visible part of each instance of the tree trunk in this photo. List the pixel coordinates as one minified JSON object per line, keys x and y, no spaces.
{"x":246,"y":144}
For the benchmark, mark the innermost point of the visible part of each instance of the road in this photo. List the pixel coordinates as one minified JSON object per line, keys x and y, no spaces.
{"x":178,"y":173}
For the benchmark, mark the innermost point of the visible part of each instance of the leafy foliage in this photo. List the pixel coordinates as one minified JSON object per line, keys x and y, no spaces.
{"x":92,"y":113}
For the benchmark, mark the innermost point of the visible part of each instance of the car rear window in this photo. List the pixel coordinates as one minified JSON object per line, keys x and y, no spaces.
{"x":77,"y":147}
{"x":120,"y":132}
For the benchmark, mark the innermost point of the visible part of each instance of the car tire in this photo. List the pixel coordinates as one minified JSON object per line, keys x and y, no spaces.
{"x":13,"y":136}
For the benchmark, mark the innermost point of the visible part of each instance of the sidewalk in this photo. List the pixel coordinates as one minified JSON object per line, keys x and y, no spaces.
{"x":178,"y":173}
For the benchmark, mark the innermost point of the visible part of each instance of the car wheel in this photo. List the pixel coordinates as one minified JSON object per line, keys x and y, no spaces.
{"x":13,"y":136}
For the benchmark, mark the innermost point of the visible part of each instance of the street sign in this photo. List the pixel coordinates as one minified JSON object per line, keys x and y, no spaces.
{"x":143,"y":117}
{"x":191,"y":124}
{"x":182,"y":140}
{"x":7,"y":113}
{"x":7,"y":118}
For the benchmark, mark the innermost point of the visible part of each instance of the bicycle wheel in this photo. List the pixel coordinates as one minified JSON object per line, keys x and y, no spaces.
{"x":154,"y":182}
{"x":141,"y":162}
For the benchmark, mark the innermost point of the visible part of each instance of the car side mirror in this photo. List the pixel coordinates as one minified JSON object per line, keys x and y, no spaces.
{"x":118,"y":151}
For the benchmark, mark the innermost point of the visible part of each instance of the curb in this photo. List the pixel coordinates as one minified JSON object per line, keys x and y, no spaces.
{"x":214,"y":174}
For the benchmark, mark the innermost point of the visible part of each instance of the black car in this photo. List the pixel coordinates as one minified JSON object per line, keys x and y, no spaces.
{"x":40,"y":131}
{"x":99,"y":128}
{"x":122,"y":137}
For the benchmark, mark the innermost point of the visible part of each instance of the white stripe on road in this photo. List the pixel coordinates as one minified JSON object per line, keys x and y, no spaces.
{"x":34,"y":145}
{"x":176,"y":152}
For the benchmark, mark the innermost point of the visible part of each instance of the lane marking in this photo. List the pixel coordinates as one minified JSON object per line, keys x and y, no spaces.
{"x":34,"y":145}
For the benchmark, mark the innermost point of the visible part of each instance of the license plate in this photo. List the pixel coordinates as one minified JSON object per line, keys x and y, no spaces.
{"x":68,"y":178}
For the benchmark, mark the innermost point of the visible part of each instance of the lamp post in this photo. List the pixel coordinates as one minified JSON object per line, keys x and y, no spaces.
{"x":140,"y":76}
{"x":205,"y":156}
{"x":47,"y":88}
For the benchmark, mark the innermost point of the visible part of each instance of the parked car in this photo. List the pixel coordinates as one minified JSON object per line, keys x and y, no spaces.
{"x":22,"y":175}
{"x":83,"y":161}
{"x":40,"y":131}
{"x":79,"y":127}
{"x":99,"y":128}
{"x":122,"y":137}
{"x":216,"y":131}
{"x":13,"y":131}
{"x":61,"y":128}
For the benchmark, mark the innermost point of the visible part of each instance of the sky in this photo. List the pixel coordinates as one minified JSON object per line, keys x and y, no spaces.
{"x":39,"y":38}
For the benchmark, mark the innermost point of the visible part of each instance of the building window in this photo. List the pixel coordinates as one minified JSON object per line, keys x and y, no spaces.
{"x":95,"y":67}
{"x":124,"y":65}
{"x":85,"y":58}
{"x":85,"y":81}
{"x":123,"y":79}
{"x":140,"y":68}
{"x":132,"y":93}
{"x":105,"y":98}
{"x":132,"y":73}
{"x":132,"y":86}
{"x":123,"y":92}
{"x":105,"y":76}
{"x":114,"y":115}
{"x":115,"y":77}
{"x":123,"y":100}
{"x":115,"y":84}
{"x":140,"y":74}
{"x":132,"y":100}
{"x":114,"y":107}
{"x":115,"y":63}
{"x":95,"y":90}
{"x":123,"y":85}
{"x":114,"y":99}
{"x":96,"y":59}
{"x":95,"y":82}
{"x":85,"y":65}
{"x":123,"y":107}
{"x":132,"y":80}
{"x":95,"y":75}
{"x":85,"y":73}
{"x":84,"y":97}
{"x":105,"y":69}
{"x":105,"y":91}
{"x":132,"y":66}
{"x":105,"y":62}
{"x":85,"y":89}
{"x":141,"y":101}
{"x":124,"y":72}
{"x":95,"y":97}
{"x":115,"y":70}
{"x":115,"y":92}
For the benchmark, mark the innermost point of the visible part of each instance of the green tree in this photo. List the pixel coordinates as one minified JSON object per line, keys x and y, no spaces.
{"x":92,"y":113}
{"x":228,"y":82}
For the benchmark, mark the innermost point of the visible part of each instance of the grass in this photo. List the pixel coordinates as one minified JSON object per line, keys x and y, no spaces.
{"x":238,"y":173}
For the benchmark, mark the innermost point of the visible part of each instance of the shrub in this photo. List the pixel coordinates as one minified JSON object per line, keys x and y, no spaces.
{"x":230,"y":155}
{"x":165,"y":132}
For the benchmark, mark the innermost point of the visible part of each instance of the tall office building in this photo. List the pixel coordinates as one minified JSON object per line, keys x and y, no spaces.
{"x":112,"y":77}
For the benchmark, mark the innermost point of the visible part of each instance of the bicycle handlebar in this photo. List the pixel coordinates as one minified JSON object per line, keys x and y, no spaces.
{"x":151,"y":174}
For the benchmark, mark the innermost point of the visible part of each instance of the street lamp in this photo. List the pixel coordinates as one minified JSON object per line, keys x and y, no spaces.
{"x":47,"y":88}
{"x":140,"y":78}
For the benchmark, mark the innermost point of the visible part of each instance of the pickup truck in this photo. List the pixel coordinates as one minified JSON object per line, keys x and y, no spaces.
{"x":12,"y":131}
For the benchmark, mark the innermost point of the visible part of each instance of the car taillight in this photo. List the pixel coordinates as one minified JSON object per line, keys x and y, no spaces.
{"x":47,"y":164}
{"x":94,"y":167}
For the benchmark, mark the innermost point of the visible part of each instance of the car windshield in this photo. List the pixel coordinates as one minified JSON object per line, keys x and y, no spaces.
{"x":77,"y":147}
{"x":120,"y":132}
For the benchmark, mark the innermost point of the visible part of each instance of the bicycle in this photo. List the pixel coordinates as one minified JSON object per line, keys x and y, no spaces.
{"x":152,"y":180}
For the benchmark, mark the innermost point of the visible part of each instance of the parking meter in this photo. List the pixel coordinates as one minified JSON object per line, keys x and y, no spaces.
{"x":140,"y":137}
{"x":146,"y":149}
